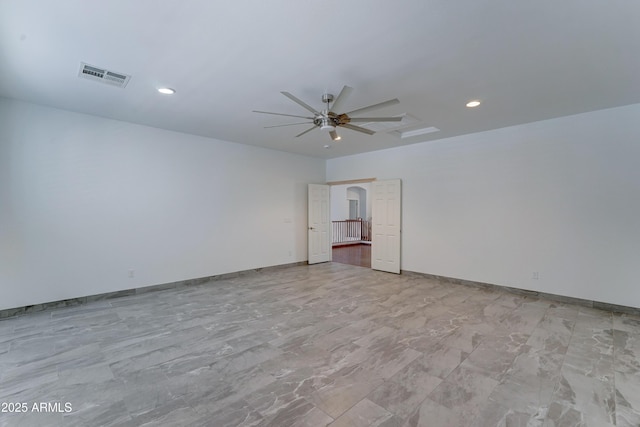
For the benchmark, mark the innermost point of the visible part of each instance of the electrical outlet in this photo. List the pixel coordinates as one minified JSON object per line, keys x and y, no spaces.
{"x":536,"y":275}
{"x":132,"y":273}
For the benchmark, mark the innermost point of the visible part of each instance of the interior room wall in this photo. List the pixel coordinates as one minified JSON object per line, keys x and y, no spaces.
{"x":339,"y":200}
{"x":560,"y":198}
{"x":339,"y":204}
{"x":87,"y":202}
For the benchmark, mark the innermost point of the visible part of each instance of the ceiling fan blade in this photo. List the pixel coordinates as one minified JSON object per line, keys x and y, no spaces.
{"x":374,"y":106}
{"x":281,"y":114}
{"x":344,"y":94}
{"x":308,"y":130}
{"x":376,"y":119}
{"x":300,"y":102}
{"x":358,"y":129}
{"x":288,"y":124}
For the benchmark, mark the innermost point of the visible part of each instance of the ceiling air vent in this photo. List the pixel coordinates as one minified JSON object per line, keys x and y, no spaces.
{"x":101,"y":75}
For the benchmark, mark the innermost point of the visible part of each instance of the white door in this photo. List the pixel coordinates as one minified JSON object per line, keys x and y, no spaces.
{"x":385,"y":245}
{"x":319,"y":224}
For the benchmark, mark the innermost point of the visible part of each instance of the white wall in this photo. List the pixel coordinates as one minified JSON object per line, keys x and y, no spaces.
{"x":559,"y":197}
{"x":339,"y":200}
{"x":339,"y":204}
{"x":83,"y":200}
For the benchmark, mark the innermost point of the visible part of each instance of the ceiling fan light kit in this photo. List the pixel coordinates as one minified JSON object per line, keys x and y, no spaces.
{"x":326,"y":124}
{"x":328,"y":120}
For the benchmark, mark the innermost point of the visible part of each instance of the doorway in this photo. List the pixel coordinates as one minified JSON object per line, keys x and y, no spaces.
{"x":381,"y":229}
{"x":353,"y":209}
{"x":351,"y":223}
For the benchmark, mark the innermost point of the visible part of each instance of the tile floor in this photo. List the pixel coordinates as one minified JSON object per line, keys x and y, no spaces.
{"x":329,"y":344}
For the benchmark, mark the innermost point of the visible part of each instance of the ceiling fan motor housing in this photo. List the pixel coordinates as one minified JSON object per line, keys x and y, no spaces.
{"x":327,"y":124}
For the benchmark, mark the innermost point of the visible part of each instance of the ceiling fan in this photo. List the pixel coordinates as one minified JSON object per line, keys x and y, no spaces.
{"x":328,"y":119}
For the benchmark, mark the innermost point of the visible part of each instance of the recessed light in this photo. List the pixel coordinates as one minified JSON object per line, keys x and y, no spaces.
{"x":472,"y":104}
{"x":327,"y":146}
{"x":166,"y":91}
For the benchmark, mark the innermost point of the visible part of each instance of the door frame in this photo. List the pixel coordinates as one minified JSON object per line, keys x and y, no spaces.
{"x":361,"y":181}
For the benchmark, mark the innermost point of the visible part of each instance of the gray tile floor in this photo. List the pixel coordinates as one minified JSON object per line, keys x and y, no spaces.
{"x":329,"y":344}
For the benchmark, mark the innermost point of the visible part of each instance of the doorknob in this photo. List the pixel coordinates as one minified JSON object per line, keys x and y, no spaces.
{"x":311,"y":228}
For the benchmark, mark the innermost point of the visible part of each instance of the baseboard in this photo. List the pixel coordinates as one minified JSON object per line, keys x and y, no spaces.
{"x":554,"y":297}
{"x":18,"y":311}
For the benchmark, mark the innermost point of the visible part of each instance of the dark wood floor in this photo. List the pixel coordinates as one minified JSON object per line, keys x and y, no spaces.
{"x":353,"y":255}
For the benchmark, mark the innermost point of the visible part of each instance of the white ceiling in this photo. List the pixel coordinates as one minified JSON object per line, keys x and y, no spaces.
{"x":526,"y":60}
